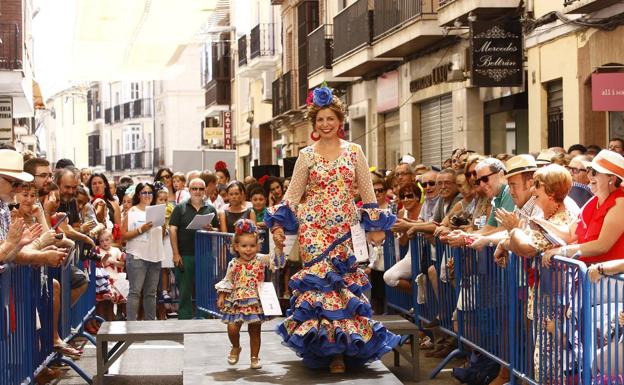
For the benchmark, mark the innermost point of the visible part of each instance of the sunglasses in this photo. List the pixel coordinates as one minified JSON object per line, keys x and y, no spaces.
{"x":430,"y":183}
{"x":469,"y":174}
{"x":592,"y":172}
{"x":574,"y":170}
{"x":145,"y":193}
{"x":407,"y":196}
{"x":196,"y":189}
{"x":165,"y":176}
{"x":484,"y":179}
{"x":380,"y":190}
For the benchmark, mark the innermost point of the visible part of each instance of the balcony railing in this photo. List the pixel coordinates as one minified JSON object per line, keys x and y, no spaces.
{"x":320,"y":48}
{"x":108,"y":116}
{"x":126,"y":110}
{"x":261,"y":41}
{"x":242,"y":51}
{"x":140,"y":108}
{"x":131,"y":161}
{"x":218,"y":92}
{"x":392,"y":14}
{"x":353,"y":28}
{"x":10,"y":47}
{"x":283,"y":93}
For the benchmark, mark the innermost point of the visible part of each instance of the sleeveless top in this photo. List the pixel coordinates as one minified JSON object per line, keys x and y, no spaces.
{"x":590,"y":225}
{"x":231,"y":218}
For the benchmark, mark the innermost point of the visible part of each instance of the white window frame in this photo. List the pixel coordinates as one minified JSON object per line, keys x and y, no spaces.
{"x":132,"y":135}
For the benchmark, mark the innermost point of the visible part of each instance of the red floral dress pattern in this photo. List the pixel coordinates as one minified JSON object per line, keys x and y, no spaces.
{"x":329,"y":313}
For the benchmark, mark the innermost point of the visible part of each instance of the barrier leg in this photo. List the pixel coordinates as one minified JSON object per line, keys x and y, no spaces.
{"x":88,"y":379}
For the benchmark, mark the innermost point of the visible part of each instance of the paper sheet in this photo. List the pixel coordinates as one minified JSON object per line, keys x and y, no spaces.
{"x":155,"y":214}
{"x":360,"y":246}
{"x":200,"y":221}
{"x":268,"y":299}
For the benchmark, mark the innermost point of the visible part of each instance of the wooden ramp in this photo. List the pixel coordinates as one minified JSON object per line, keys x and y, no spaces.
{"x":205,"y":362}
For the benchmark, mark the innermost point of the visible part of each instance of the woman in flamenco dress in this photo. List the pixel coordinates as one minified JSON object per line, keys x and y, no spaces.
{"x":329,"y":322}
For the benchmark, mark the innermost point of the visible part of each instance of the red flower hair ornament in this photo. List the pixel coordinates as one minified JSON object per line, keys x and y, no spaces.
{"x":220,"y":165}
{"x":245,"y":226}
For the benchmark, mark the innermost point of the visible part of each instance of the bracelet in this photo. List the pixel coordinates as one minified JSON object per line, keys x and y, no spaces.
{"x":600,"y":269}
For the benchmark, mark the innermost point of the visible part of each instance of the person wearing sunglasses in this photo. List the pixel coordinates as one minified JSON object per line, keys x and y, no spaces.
{"x":491,"y":178}
{"x":580,"y":191}
{"x":599,"y":234}
{"x":381,"y":188}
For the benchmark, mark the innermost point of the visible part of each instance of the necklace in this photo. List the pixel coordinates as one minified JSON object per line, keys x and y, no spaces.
{"x":555,"y":211}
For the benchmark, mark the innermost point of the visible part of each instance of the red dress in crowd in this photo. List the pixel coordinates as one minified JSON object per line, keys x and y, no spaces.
{"x":590,"y":225}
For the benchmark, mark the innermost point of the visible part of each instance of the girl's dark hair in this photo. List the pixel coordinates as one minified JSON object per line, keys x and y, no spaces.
{"x":270,"y":180}
{"x":225,"y":172}
{"x":137,"y":193}
{"x":158,"y":176}
{"x":107,"y":191}
{"x":236,"y":183}
{"x":82,"y":191}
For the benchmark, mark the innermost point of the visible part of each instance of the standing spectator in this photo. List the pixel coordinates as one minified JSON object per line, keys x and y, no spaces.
{"x":381,"y":188}
{"x":100,"y":189}
{"x":576,"y":149}
{"x":274,"y":190}
{"x":183,"y":243}
{"x":222,"y":173}
{"x":405,"y":173}
{"x":165,"y":176}
{"x":236,"y":209}
{"x":593,"y":150}
{"x":85,"y":175}
{"x":491,"y":177}
{"x":144,"y":254}
{"x":211,"y":194}
{"x":617,"y":145}
{"x":63,"y":163}
{"x":39,"y":168}
{"x":580,"y":191}
{"x":179,"y":187}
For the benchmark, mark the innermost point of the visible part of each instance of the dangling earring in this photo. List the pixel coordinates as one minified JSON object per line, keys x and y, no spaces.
{"x":315,"y":136}
{"x":341,"y":133}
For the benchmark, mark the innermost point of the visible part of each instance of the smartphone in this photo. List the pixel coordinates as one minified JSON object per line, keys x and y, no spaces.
{"x":59,"y":221}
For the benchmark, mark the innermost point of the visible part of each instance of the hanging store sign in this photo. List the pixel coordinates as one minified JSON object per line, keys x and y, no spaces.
{"x":497,"y":53}
{"x":6,"y":119}
{"x":227,"y":130}
{"x":608,"y":91}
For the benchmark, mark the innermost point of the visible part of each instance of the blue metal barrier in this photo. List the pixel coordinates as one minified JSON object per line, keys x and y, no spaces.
{"x":396,"y":300}
{"x":212,"y":250}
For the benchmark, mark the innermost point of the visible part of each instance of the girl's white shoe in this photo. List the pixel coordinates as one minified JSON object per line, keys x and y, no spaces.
{"x":255,"y":363}
{"x":234,"y":355}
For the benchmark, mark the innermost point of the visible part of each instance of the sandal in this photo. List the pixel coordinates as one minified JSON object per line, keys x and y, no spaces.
{"x":255,"y":363}
{"x":68,"y":351}
{"x":337,"y":366}
{"x":234,"y":355}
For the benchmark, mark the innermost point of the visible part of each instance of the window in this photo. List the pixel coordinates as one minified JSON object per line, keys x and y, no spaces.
{"x":131,"y":138}
{"x":134,"y":91}
{"x":554,"y":92}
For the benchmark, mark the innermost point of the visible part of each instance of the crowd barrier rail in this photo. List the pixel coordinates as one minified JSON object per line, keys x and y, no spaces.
{"x":546,"y":325}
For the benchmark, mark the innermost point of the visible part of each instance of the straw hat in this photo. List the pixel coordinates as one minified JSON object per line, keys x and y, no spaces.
{"x":609,"y":162}
{"x":519,"y":164}
{"x":545,"y":157}
{"x":12,"y":165}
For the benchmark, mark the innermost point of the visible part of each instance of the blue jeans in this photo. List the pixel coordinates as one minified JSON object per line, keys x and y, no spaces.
{"x":143,"y":276}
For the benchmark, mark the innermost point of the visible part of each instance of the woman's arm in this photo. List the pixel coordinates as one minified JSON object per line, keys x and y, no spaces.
{"x":222,"y":222}
{"x":520,"y":244}
{"x":298,"y":182}
{"x":116,"y":213}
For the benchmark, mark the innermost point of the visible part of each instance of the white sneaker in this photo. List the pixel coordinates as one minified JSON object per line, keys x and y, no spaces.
{"x":422,"y":290}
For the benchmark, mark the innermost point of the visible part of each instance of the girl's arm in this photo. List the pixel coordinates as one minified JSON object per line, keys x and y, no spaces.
{"x":252,"y":216}
{"x":222,"y":222}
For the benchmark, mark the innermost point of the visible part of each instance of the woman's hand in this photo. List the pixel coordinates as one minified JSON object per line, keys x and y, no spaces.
{"x":221,"y":301}
{"x":549,"y":254}
{"x":501,"y":256}
{"x":376,"y":237}
{"x":30,"y":234}
{"x":441,"y":231}
{"x":48,"y":238}
{"x":508,"y":220}
{"x":16,"y":230}
{"x":400,"y":226}
{"x":593,"y":273}
{"x":146,"y":227}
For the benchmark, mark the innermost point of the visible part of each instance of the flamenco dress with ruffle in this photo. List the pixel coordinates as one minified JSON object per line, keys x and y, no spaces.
{"x":241,"y":282}
{"x":329,"y":314}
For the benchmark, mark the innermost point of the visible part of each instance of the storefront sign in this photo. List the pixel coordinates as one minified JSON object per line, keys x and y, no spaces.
{"x":6,"y":119}
{"x":227,"y":130}
{"x":388,"y":91}
{"x":438,"y":75}
{"x":608,"y":91}
{"x":497,"y":53}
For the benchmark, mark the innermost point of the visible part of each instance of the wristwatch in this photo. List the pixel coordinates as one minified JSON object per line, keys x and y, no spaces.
{"x":600,"y":269}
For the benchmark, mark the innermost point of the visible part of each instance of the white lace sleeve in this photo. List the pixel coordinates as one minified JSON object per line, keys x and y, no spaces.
{"x":299,"y":180}
{"x":226,"y":285}
{"x":363,"y":177}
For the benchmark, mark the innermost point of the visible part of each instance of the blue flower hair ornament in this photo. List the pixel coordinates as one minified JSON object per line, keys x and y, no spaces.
{"x":245,"y":226}
{"x":322,"y":96}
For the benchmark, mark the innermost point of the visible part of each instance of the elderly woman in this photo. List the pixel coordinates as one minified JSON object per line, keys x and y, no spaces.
{"x":551,"y":185}
{"x":599,"y":234}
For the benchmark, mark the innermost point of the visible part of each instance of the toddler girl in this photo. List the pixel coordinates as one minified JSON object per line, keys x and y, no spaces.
{"x":238,"y":292}
{"x":111,"y":266}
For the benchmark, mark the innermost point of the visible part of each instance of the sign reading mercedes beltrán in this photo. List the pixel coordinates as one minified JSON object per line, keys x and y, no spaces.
{"x":496,"y":53}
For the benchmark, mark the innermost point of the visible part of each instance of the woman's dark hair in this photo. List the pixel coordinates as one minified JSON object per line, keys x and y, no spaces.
{"x":158,"y":176}
{"x":270,"y":180}
{"x":225,"y":172}
{"x":121,"y":189}
{"x":236,"y":183}
{"x":137,"y":193}
{"x":411,"y":187}
{"x":107,"y":191}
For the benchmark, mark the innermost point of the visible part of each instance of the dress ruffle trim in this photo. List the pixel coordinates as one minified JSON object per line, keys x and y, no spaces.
{"x":282,"y":215}
{"x":331,"y":282}
{"x":307,"y":311}
{"x":376,"y":219}
{"x":317,"y":349}
{"x":244,"y":310}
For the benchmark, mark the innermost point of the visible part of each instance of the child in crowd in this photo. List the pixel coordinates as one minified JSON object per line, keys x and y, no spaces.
{"x":111,"y":266}
{"x":238,"y":292}
{"x":167,"y":263}
{"x":179,"y":186}
{"x":259,"y":202}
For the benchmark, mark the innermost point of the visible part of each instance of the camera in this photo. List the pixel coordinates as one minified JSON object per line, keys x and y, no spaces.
{"x":461,"y":219}
{"x":89,"y":253}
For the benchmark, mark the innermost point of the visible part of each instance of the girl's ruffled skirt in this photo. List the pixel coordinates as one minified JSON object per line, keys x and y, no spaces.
{"x":243,"y":311}
{"x":329,"y":315}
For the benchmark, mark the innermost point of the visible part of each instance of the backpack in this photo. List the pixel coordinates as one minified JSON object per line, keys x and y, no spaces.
{"x":481,"y":370}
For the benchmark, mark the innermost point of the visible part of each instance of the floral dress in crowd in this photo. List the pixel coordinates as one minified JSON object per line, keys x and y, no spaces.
{"x":241,"y":283}
{"x":329,"y":314}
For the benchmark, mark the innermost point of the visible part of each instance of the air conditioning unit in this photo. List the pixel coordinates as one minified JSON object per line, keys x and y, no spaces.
{"x":267,"y":86}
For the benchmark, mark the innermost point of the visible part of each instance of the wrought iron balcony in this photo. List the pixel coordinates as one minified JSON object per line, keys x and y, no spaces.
{"x":392,"y":14}
{"x":108,"y":116}
{"x":242,"y":51}
{"x":262,"y":39}
{"x":132,"y":161}
{"x":283,"y":93}
{"x":140,"y":108}
{"x":586,"y":6}
{"x":320,"y":48}
{"x":117,"y":113}
{"x":353,"y":28}
{"x":10,"y":48}
{"x":218,"y":92}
